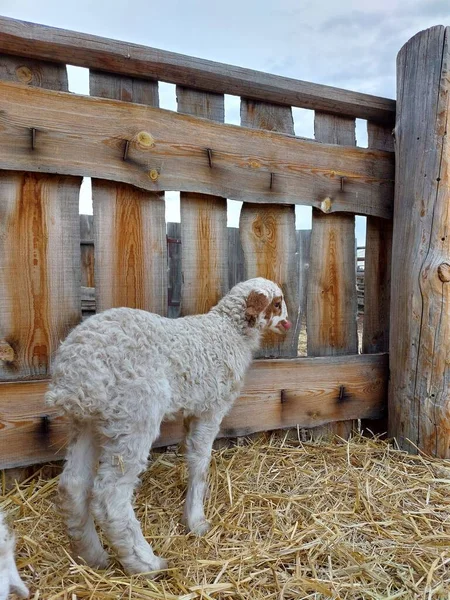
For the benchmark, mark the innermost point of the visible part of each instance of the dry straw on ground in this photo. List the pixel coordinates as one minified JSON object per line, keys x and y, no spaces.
{"x":291,"y":520}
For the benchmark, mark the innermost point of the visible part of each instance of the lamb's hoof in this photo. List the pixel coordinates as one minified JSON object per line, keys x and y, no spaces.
{"x":96,"y":560}
{"x":200,"y":528}
{"x":150,"y":569}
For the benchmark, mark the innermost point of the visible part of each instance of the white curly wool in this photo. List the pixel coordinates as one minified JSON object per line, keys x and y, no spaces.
{"x":117,"y":376}
{"x":10,"y":581}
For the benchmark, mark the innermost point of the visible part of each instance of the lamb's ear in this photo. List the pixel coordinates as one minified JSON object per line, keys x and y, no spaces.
{"x":256,"y":303}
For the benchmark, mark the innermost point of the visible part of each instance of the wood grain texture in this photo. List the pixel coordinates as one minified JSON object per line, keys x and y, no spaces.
{"x":332,"y":299}
{"x":268,"y":234}
{"x":40,"y":254}
{"x":174,"y":269}
{"x":236,"y":266}
{"x":46,"y":43}
{"x":130,"y":248}
{"x":203,"y":223}
{"x":303,"y":259}
{"x":39,"y":269}
{"x":87,"y":250}
{"x":130,"y":229}
{"x":419,"y":394}
{"x":277,"y":394}
{"x":81,"y":135}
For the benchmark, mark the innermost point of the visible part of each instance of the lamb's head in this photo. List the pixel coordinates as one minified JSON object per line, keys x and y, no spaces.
{"x":259,"y":305}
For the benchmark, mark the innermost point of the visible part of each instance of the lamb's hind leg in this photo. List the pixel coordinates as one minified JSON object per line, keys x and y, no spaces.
{"x":74,"y":493}
{"x":122,"y":460}
{"x":201,"y":432}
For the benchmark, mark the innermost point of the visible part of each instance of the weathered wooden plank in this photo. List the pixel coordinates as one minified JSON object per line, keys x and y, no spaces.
{"x":203,"y":223}
{"x":268,"y":233}
{"x":377,"y":265}
{"x":419,"y":394}
{"x":39,"y":248}
{"x":303,"y":257}
{"x":39,"y":270}
{"x":130,"y":248}
{"x":332,"y":300}
{"x":87,"y":250}
{"x":80,"y":135}
{"x":29,"y":39}
{"x":236,"y":268}
{"x":174,"y":269}
{"x":278,"y":394}
{"x":130,"y":229}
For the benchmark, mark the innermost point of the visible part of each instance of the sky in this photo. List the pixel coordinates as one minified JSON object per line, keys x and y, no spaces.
{"x":344,"y":43}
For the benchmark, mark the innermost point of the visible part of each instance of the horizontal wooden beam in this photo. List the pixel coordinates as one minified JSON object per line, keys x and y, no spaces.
{"x":304,"y":392}
{"x":80,"y":49}
{"x":160,"y":150}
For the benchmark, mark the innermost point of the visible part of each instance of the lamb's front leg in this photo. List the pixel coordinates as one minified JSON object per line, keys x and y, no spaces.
{"x":201,"y":433}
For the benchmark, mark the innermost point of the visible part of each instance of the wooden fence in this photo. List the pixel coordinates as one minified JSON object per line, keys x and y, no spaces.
{"x":135,"y":152}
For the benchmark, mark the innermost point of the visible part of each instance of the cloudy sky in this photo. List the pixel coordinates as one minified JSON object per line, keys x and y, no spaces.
{"x":345,"y":43}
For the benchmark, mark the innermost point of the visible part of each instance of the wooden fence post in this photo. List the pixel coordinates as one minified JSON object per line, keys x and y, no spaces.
{"x":419,"y":395}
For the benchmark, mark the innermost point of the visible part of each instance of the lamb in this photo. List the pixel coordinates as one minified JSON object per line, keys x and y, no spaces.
{"x":10,"y":581}
{"x":117,"y":376}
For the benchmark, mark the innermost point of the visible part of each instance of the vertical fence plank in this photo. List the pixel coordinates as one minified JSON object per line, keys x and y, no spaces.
{"x":39,"y":248}
{"x":236,"y":272}
{"x":174,"y":260}
{"x":303,"y":251}
{"x":332,"y":299}
{"x":268,"y":233}
{"x":129,"y":224}
{"x":87,"y":250}
{"x":203,"y":223}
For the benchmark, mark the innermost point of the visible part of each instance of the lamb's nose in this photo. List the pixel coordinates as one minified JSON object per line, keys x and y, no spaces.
{"x":287,"y":324}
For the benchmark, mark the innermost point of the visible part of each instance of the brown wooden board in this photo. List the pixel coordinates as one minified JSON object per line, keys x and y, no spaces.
{"x":174,"y":269}
{"x":87,"y":250}
{"x":130,"y":229}
{"x":278,"y":394}
{"x":204,"y":235}
{"x":236,"y":267}
{"x":84,"y":50}
{"x":303,"y":257}
{"x":332,"y":300}
{"x":419,"y":394}
{"x":39,"y":248}
{"x":82,"y":135}
{"x":268,"y":233}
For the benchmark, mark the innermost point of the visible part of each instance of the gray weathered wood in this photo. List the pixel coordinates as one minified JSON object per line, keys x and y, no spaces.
{"x":87,"y":250}
{"x":84,"y":50}
{"x":81,"y":135}
{"x":268,"y":234}
{"x":130,"y":230}
{"x":419,"y":391}
{"x":332,"y":300}
{"x":39,"y":248}
{"x":203,"y":223}
{"x":303,"y":259}
{"x":236,"y":267}
{"x":174,"y":269}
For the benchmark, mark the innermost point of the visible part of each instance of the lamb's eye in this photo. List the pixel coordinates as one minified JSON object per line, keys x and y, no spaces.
{"x":277,"y":304}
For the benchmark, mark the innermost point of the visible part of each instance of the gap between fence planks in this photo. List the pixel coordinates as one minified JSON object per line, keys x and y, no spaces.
{"x":129,"y":224}
{"x":332,"y":299}
{"x":268,"y":234}
{"x":82,"y":135}
{"x":204,"y":236}
{"x":278,"y":394}
{"x":39,"y":248}
{"x":23,"y":38}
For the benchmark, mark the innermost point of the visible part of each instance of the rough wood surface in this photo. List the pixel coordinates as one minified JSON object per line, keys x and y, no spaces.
{"x":48,"y":43}
{"x":87,"y":250}
{"x":82,"y":135}
{"x":278,"y":394}
{"x":204,"y":235}
{"x":39,"y":248}
{"x":268,"y":233}
{"x":236,"y":267}
{"x":174,"y":269}
{"x":419,"y":395}
{"x":130,"y":229}
{"x":130,"y":248}
{"x":303,"y":258}
{"x":332,"y":300}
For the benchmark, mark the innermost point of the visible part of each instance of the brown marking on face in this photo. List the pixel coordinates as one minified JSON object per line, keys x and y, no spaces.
{"x":256,"y":303}
{"x":274,"y":309}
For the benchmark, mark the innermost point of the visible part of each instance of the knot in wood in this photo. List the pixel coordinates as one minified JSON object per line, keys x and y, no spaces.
{"x":444,"y":272}
{"x":145,"y":139}
{"x":325,"y":205}
{"x":24,"y":74}
{"x":153,"y":174}
{"x":6,"y":352}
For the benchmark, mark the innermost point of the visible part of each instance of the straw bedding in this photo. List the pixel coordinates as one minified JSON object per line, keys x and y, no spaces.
{"x":291,"y":520}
